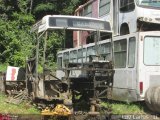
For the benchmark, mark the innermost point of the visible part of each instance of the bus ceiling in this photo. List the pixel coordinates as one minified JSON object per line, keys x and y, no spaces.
{"x":77,"y":23}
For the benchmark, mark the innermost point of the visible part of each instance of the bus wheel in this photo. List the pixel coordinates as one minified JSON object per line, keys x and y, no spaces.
{"x":124,"y":29}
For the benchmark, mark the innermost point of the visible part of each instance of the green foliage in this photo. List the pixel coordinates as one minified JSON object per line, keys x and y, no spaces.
{"x":23,"y":5}
{"x":54,"y":43}
{"x":70,"y":6}
{"x":44,"y":7}
{"x":3,"y":67}
{"x":124,"y":108}
{"x":23,"y":20}
{"x":23,"y":108}
{"x":15,"y":39}
{"x":17,"y":17}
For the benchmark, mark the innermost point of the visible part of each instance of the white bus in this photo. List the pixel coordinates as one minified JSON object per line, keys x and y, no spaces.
{"x":136,"y":62}
{"x":125,"y":16}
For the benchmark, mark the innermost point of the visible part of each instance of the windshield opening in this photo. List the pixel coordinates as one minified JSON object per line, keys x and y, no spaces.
{"x":152,"y":50}
{"x":149,"y":3}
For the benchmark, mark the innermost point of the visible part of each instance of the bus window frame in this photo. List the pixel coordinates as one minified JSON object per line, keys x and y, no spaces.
{"x":145,"y":6}
{"x":65,"y":61}
{"x":106,"y":45}
{"x":87,"y":14}
{"x":60,"y":61}
{"x":130,"y":38}
{"x":144,"y":50}
{"x":89,"y":56}
{"x":71,"y":59}
{"x":104,"y":5}
{"x":81,"y":54}
{"x":127,"y":5}
{"x":120,"y":52}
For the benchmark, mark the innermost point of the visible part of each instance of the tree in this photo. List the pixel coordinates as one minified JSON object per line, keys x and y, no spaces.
{"x":17,"y":17}
{"x":15,"y":39}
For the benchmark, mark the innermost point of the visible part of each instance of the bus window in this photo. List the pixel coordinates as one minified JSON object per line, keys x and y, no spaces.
{"x":149,"y":3}
{"x":84,"y":54}
{"x":131,"y":52}
{"x":90,"y":53}
{"x":88,"y":10}
{"x":105,"y":51}
{"x":65,"y":58}
{"x":90,"y":38}
{"x":59,"y":60}
{"x":104,"y":36}
{"x":151,"y":50}
{"x":81,"y":54}
{"x":104,"y":7}
{"x":127,"y":5}
{"x":73,"y":56}
{"x":120,"y":53}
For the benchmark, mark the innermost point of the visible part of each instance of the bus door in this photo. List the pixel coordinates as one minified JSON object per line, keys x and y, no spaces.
{"x":125,"y":68}
{"x":149,"y":61}
{"x":120,"y":58}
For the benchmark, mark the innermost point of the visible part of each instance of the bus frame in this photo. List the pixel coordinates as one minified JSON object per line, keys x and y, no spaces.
{"x":91,"y":86}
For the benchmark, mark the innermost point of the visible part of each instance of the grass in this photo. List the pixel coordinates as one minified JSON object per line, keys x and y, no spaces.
{"x":125,"y":108}
{"x":23,"y":108}
{"x":113,"y":107}
{"x":3,"y":67}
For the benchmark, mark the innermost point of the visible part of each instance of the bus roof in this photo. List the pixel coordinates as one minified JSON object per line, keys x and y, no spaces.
{"x":51,"y":22}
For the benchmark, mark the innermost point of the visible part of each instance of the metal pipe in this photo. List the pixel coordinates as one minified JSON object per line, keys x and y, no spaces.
{"x":37,"y":56}
{"x":112,"y":49}
{"x":97,"y":43}
{"x":44,"y":52}
{"x":26,"y":75}
{"x":37,"y":53}
{"x":64,"y":40}
{"x":81,"y":34}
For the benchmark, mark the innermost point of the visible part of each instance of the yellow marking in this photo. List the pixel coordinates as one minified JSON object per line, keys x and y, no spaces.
{"x":59,"y":110}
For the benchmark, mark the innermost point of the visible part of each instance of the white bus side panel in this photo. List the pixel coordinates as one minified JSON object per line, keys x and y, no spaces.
{"x":124,"y":87}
